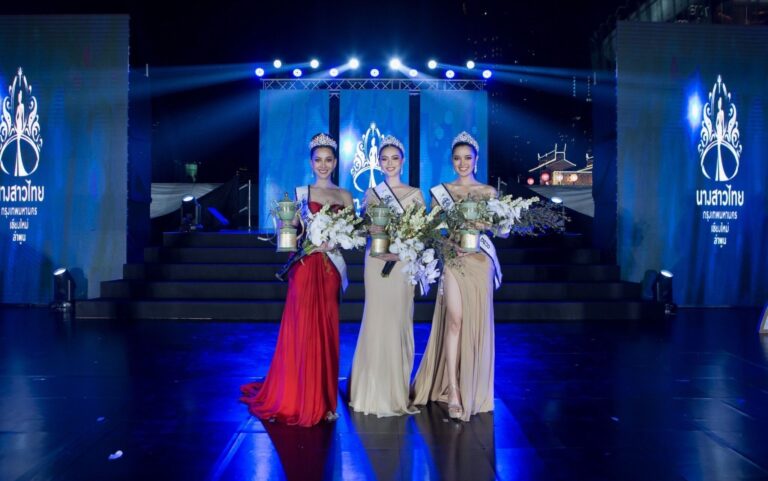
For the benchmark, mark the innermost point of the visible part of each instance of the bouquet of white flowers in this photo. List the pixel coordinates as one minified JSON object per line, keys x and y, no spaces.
{"x":412,"y":233}
{"x":335,"y":229}
{"x":503,"y":213}
{"x":339,"y":229}
{"x":506,"y":215}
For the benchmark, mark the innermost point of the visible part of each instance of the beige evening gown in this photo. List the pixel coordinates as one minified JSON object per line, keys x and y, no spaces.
{"x":474,"y":276}
{"x":383,"y":360}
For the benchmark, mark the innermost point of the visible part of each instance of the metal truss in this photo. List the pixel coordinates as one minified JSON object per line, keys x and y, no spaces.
{"x":371,"y":84}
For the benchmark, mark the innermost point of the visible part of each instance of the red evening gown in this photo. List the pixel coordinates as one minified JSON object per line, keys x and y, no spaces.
{"x":302,"y":382}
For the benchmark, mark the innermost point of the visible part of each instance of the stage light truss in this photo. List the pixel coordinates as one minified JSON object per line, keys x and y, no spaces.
{"x":371,"y":84}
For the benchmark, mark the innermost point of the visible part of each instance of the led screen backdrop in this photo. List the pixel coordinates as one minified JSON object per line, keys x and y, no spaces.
{"x":365,"y":117}
{"x":443,"y":115}
{"x":63,"y":144}
{"x":693,"y":159}
{"x":288,"y":119}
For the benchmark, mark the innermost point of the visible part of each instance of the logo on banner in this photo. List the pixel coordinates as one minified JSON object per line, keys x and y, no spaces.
{"x":719,"y":147}
{"x":719,"y":159}
{"x":366,"y":161}
{"x":20,"y":140}
{"x":20,"y":145}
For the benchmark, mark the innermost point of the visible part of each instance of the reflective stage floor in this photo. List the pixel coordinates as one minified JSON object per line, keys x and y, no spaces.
{"x":685,"y":399}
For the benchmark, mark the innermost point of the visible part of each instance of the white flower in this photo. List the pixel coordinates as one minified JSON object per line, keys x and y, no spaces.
{"x":428,"y":256}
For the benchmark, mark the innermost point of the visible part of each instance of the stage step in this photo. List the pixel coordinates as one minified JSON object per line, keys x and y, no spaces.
{"x":251,"y":255}
{"x":266,"y":272}
{"x":352,"y":311}
{"x":231,"y":276}
{"x":274,"y":290}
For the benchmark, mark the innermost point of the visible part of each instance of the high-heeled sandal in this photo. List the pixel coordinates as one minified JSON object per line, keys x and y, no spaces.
{"x":455,"y":411}
{"x":331,"y":416}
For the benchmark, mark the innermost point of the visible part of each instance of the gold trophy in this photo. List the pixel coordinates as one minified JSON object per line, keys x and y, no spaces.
{"x":286,"y":211}
{"x":380,"y":215}
{"x":469,"y":238}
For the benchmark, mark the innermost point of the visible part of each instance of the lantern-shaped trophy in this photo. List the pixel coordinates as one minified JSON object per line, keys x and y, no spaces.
{"x":380,"y":215}
{"x":469,"y":237}
{"x":286,"y":239}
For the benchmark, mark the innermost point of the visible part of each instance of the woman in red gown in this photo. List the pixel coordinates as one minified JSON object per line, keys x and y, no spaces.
{"x":302,"y":384}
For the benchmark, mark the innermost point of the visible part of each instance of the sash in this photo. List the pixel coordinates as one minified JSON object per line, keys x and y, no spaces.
{"x":384,"y":192}
{"x":443,"y":197}
{"x":302,"y":195}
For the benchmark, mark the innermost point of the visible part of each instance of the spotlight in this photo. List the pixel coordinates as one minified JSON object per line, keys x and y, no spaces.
{"x":190,"y":214}
{"x":314,"y":63}
{"x":545,"y":177}
{"x":63,"y":290}
{"x":470,"y":64}
{"x":487,"y":74}
{"x":432,"y":64}
{"x":374,"y":72}
{"x":450,"y":73}
{"x":558,"y":201}
{"x":354,"y":63}
{"x":334,"y":72}
{"x":259,"y":72}
{"x":395,"y":63}
{"x":663,"y":292}
{"x":297,"y":72}
{"x":277,"y":63}
{"x":530,"y":181}
{"x":413,"y":72}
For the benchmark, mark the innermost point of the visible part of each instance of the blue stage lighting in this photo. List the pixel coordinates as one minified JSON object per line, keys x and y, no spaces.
{"x":694,"y":111}
{"x":470,"y":64}
{"x":432,"y":64}
{"x":297,"y":72}
{"x":334,"y":72}
{"x":277,"y":63}
{"x":413,"y":72}
{"x":374,"y":72}
{"x":450,"y":73}
{"x":354,"y":63}
{"x":259,"y":72}
{"x":395,"y":63}
{"x":487,"y":74}
{"x":314,"y":63}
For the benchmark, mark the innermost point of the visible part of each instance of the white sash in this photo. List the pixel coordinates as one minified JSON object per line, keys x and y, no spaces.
{"x":384,"y":192}
{"x":443,"y":197}
{"x":302,"y":195}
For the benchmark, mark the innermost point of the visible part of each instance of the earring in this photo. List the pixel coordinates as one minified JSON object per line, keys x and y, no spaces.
{"x":475,"y":169}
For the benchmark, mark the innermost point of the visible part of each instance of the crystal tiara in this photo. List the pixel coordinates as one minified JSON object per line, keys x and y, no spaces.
{"x":391,"y":140}
{"x":465,"y":138}
{"x":323,"y":140}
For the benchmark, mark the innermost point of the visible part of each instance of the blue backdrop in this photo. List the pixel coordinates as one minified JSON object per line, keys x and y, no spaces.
{"x":681,"y":205}
{"x":69,"y":208}
{"x":365,"y":117}
{"x":443,"y":115}
{"x":288,"y":120}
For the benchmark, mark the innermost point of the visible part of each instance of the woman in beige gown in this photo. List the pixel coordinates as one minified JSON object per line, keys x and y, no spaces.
{"x":457,"y":367}
{"x":383,"y":360}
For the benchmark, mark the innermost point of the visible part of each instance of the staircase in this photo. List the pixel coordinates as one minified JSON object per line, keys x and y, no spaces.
{"x":231,"y":276}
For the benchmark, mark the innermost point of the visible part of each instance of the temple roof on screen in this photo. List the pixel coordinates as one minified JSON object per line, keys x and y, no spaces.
{"x":554,"y":160}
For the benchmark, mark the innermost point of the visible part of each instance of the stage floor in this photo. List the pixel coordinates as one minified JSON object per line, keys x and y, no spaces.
{"x":678,"y":400}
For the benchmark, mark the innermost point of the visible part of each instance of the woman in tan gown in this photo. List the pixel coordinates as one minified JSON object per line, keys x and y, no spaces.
{"x":383,"y":360}
{"x":457,"y":367}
